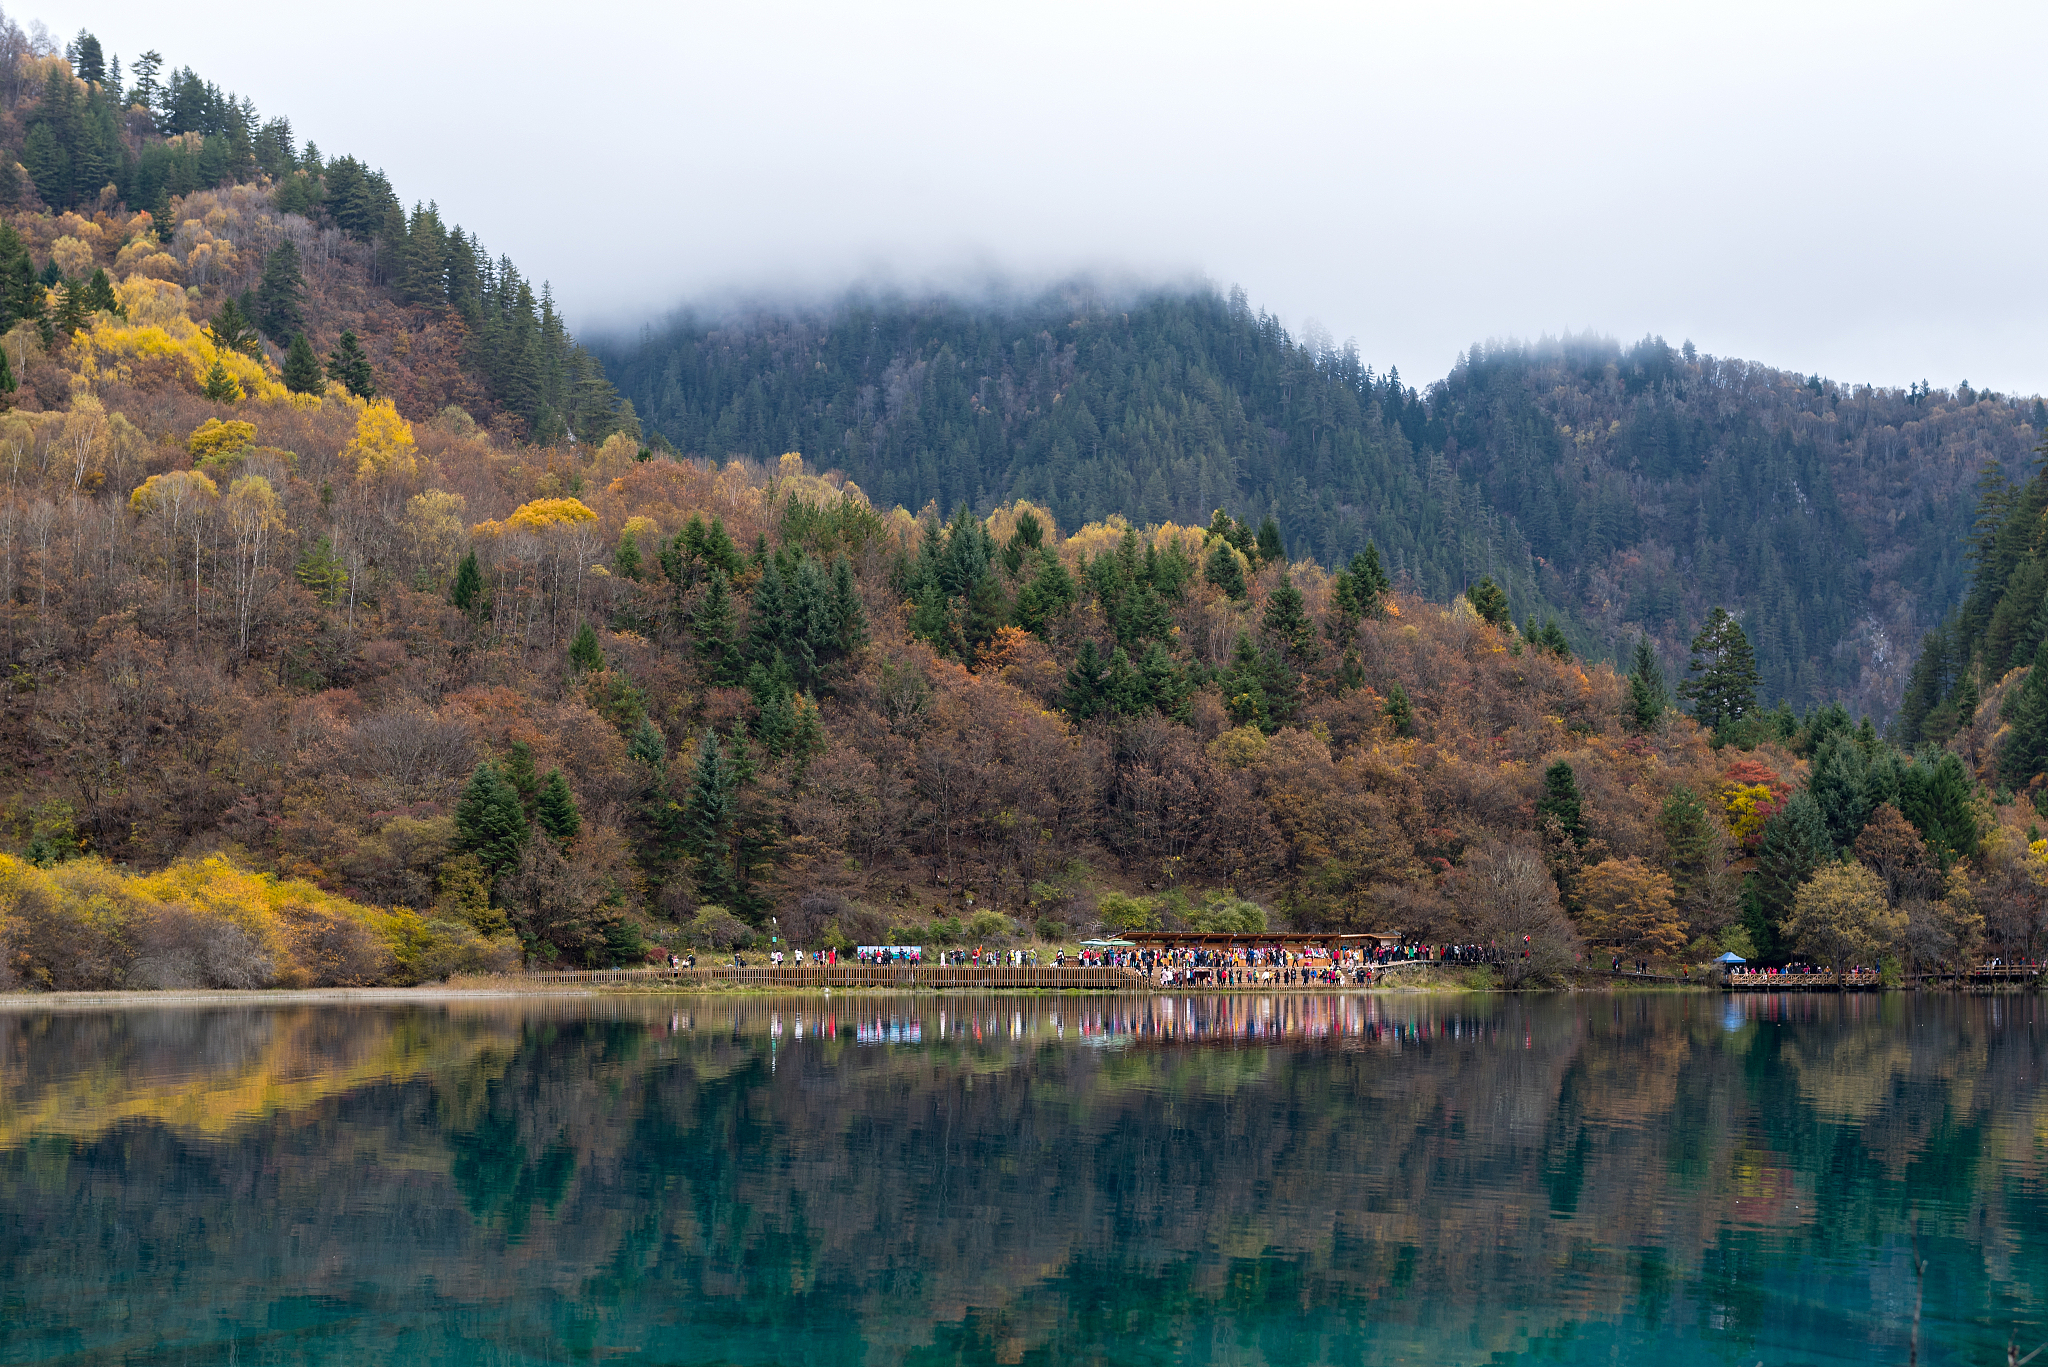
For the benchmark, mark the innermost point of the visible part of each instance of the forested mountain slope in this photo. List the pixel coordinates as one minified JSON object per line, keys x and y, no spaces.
{"x":170,"y":177}
{"x":1632,"y":489}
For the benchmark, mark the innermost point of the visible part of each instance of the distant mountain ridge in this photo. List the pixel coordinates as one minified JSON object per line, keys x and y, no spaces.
{"x":1628,"y":488}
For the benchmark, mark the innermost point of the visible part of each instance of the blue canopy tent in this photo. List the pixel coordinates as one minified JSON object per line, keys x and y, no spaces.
{"x":1731,"y":957}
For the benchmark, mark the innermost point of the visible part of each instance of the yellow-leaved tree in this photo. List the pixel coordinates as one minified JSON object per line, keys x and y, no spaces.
{"x":255,"y":516}
{"x":383,"y":445}
{"x":543,"y":513}
{"x":215,"y":444}
{"x":1842,"y":917}
{"x":1631,"y":906}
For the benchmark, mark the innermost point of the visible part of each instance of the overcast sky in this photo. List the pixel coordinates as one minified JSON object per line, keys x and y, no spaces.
{"x":1854,"y":189}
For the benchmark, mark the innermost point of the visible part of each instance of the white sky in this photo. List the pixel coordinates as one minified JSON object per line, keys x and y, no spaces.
{"x":1850,"y":188}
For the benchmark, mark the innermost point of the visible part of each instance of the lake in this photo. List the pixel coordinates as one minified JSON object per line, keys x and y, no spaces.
{"x":1288,"y":1179}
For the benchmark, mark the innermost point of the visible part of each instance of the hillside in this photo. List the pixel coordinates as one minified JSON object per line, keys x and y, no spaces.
{"x":320,"y":674}
{"x":1631,"y":490}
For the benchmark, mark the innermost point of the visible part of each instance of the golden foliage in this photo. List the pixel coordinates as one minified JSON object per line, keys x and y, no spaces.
{"x":173,"y":492}
{"x":383,"y":447}
{"x":543,"y":513}
{"x":216,"y":440}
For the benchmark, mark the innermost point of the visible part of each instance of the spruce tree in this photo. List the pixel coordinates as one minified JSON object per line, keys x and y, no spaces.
{"x":1939,"y":799}
{"x":1646,"y":694}
{"x":849,"y":615}
{"x":1225,"y":570}
{"x":1373,"y":584}
{"x":1165,"y":684}
{"x":1286,"y":621}
{"x":647,"y":746}
{"x":1123,"y":686}
{"x":99,"y":296}
{"x":1490,"y":601}
{"x":490,"y":822}
{"x":1082,"y":696}
{"x":467,"y":591}
{"x":705,"y":825}
{"x":585,"y":654}
{"x":1271,"y":550}
{"x":231,"y":330}
{"x":522,"y":777}
{"x":8,"y":384}
{"x":1722,"y":677}
{"x":2024,"y":751}
{"x":302,"y":372}
{"x":555,"y":810}
{"x":349,"y":366}
{"x":1795,"y":843}
{"x":221,"y":386}
{"x":1839,"y":789}
{"x":626,"y":559}
{"x":1398,"y":711}
{"x":1561,"y":800}
{"x":714,"y":625}
{"x":280,"y":294}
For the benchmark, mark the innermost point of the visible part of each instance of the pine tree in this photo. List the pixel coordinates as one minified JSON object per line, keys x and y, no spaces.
{"x":280,"y":295}
{"x":490,"y":822}
{"x":555,"y":810}
{"x":1646,"y":694}
{"x":1373,"y":584}
{"x":1123,"y":687}
{"x":626,"y":559}
{"x":1938,"y":799}
{"x":585,"y":654}
{"x":1561,"y":800}
{"x":302,"y":372}
{"x":349,"y":367}
{"x":1490,"y":601}
{"x":1722,"y":677}
{"x":1552,"y":639}
{"x":467,"y":591}
{"x":221,"y":386}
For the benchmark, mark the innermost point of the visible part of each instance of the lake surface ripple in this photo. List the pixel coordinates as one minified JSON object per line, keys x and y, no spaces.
{"x":1216,"y":1179}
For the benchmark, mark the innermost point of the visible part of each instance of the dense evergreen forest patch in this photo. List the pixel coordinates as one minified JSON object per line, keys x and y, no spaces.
{"x":1628,"y":489}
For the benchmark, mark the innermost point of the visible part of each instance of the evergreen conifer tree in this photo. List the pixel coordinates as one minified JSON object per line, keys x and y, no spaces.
{"x":280,"y":295}
{"x":521,"y":775}
{"x":715,"y":624}
{"x":1399,"y":712}
{"x":490,"y":822}
{"x":1165,"y":684}
{"x":1561,"y":800}
{"x":349,"y":367}
{"x":555,"y":810}
{"x":231,"y":330}
{"x":1646,"y":694}
{"x":1082,"y":697}
{"x":467,"y":591}
{"x":1795,"y":843}
{"x":1123,"y":687}
{"x":1490,"y":601}
{"x":1286,"y":621}
{"x":98,"y":295}
{"x":302,"y":372}
{"x":647,"y":746}
{"x":1225,"y":570}
{"x":2024,"y":752}
{"x":1271,"y":549}
{"x":848,"y":613}
{"x":1722,"y":678}
{"x":626,"y":559}
{"x":705,"y":825}
{"x":585,"y":654}
{"x":221,"y":386}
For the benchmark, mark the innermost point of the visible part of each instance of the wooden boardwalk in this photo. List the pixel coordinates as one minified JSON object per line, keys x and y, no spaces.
{"x":897,"y":977}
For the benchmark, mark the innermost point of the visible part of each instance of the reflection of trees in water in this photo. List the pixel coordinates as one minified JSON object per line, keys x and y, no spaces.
{"x":1560,"y":1160}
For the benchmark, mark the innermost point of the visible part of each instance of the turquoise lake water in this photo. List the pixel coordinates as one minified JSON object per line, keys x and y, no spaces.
{"x":1284,"y":1179}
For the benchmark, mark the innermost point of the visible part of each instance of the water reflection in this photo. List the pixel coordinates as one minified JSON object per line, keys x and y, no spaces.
{"x":1194,"y":1178}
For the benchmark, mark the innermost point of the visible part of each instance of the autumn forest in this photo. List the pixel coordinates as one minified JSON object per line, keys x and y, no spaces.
{"x":362,"y":625}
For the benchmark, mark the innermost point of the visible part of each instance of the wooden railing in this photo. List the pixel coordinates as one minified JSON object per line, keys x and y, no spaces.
{"x":1071,"y":977}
